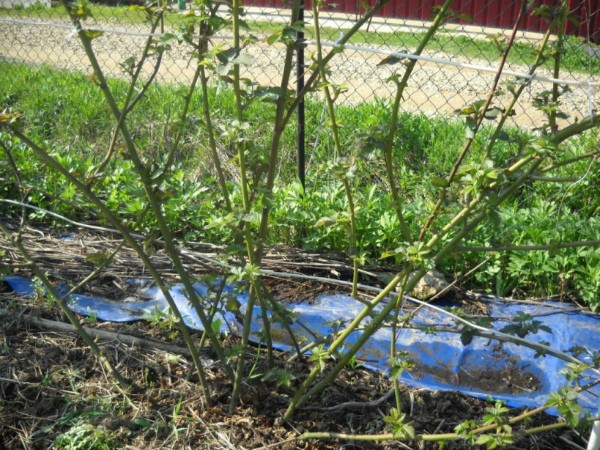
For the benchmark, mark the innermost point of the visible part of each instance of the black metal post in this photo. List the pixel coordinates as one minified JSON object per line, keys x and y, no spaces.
{"x":300,"y":110}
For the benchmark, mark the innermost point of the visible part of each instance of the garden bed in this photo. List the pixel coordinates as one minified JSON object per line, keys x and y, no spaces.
{"x":55,"y":391}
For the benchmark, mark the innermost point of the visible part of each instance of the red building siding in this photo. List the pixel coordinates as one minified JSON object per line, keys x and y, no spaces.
{"x":489,"y":13}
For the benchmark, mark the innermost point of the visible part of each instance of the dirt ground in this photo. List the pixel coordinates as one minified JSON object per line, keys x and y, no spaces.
{"x":51,"y":385}
{"x":53,"y":390}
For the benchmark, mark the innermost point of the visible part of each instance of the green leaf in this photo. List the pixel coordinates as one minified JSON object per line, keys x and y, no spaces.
{"x":395,"y":78}
{"x":288,"y":35}
{"x":439,"y":182}
{"x":471,"y":109}
{"x":470,"y":127}
{"x":327,"y":221}
{"x":244,"y":60}
{"x":490,"y":441}
{"x":216,"y":326}
{"x":282,"y":377}
{"x":504,"y":136}
{"x":232,"y":305}
{"x":298,"y":25}
{"x":142,"y":422}
{"x":128,"y":65}
{"x":234,"y":351}
{"x":81,"y":10}
{"x":225,"y":56}
{"x":268,"y":93}
{"x":319,"y":356}
{"x":465,"y":431}
{"x":389,"y":253}
{"x":92,"y":34}
{"x":399,"y":426}
{"x":272,"y":39}
{"x":493,"y":113}
{"x":399,"y":364}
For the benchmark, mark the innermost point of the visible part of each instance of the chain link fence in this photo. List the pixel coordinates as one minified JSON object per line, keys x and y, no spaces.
{"x":455,"y":70}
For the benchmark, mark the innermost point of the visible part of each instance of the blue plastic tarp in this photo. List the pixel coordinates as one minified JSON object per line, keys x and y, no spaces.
{"x":483,"y":368}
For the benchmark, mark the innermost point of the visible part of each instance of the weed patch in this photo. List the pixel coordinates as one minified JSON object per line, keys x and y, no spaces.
{"x":66,"y":111}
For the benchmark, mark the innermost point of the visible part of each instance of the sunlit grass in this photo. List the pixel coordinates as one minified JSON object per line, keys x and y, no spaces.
{"x":65,"y":112}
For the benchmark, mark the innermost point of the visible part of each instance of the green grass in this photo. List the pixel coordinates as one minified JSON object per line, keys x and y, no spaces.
{"x":119,"y":14}
{"x":67,"y":108}
{"x":575,"y":59}
{"x":64,"y":111}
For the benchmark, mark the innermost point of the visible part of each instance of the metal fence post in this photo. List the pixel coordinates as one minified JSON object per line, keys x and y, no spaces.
{"x":300,"y":110}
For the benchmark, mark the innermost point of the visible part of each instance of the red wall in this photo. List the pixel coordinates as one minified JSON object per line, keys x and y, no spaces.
{"x":492,"y":13}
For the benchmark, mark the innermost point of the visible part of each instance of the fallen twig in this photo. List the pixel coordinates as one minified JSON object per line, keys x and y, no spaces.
{"x":361,"y":405}
{"x":111,"y":336}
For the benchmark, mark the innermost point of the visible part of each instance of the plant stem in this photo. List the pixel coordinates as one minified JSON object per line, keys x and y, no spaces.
{"x":394,"y":339}
{"x":517,"y":94}
{"x":309,"y":83}
{"x":64,"y":307}
{"x":559,"y":23}
{"x":479,"y":120}
{"x":279,"y":126}
{"x":236,"y":11}
{"x":353,"y":251}
{"x":129,"y":104}
{"x":211,"y":138}
{"x":154,"y":201}
{"x":125,"y":233}
{"x":573,"y":130}
{"x":302,"y":395}
{"x":252,"y":252}
{"x":450,"y":436}
{"x":333,"y":125}
{"x":393,"y":122}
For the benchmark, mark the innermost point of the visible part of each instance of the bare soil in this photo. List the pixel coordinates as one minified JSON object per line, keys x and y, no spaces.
{"x":51,"y":384}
